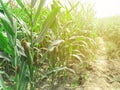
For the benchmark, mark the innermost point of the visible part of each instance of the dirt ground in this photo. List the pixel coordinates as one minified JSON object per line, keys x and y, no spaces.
{"x":105,"y":74}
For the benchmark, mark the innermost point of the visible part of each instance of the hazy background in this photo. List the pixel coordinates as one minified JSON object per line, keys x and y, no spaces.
{"x":103,"y":8}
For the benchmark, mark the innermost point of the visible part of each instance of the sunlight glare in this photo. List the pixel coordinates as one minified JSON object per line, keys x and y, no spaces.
{"x":105,"y":8}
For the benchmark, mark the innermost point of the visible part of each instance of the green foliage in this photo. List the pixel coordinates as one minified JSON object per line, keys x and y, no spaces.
{"x":70,"y":42}
{"x":4,"y":44}
{"x":37,"y":38}
{"x":109,"y":28}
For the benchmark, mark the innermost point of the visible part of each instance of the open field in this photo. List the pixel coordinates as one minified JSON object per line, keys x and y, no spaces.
{"x":58,"y":47}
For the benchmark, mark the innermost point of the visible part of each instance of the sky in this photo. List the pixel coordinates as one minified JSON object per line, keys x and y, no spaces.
{"x":106,"y":8}
{"x":103,"y":8}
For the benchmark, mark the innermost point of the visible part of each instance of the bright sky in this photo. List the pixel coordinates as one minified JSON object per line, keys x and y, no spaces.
{"x":105,"y":8}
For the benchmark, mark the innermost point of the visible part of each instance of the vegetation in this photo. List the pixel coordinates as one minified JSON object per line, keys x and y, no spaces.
{"x":41,"y":45}
{"x":110,"y":26}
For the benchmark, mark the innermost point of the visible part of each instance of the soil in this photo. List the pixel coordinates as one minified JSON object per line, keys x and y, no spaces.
{"x":105,"y":74}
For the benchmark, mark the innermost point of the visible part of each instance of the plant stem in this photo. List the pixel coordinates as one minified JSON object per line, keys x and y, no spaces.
{"x":31,"y":51}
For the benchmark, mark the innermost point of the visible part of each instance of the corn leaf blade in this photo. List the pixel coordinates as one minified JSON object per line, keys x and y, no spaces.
{"x":6,"y":11}
{"x":2,"y":83}
{"x":23,"y":7}
{"x":38,"y":10}
{"x":7,"y":25}
{"x":48,"y":22}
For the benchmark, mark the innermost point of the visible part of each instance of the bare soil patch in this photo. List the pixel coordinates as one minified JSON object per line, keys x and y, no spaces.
{"x":105,"y":74}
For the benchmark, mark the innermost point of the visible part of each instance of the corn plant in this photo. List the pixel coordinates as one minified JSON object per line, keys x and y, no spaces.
{"x":71,"y":39}
{"x":10,"y":26}
{"x":49,"y":41}
{"x":20,"y":53}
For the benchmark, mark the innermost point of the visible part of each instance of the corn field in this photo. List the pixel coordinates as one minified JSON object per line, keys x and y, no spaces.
{"x":43,"y":47}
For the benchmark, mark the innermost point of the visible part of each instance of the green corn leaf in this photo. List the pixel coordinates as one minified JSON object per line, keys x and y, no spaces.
{"x":2,"y":83}
{"x":20,"y":48}
{"x":23,"y":25}
{"x":3,"y":41}
{"x":33,"y":2}
{"x":6,"y":12}
{"x":48,"y":22}
{"x":38,"y":11}
{"x":6,"y":75}
{"x":4,"y":44}
{"x":5,"y":56}
{"x":23,"y":79}
{"x":9,"y":88}
{"x":23,"y":7}
{"x":57,"y":69}
{"x":7,"y":25}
